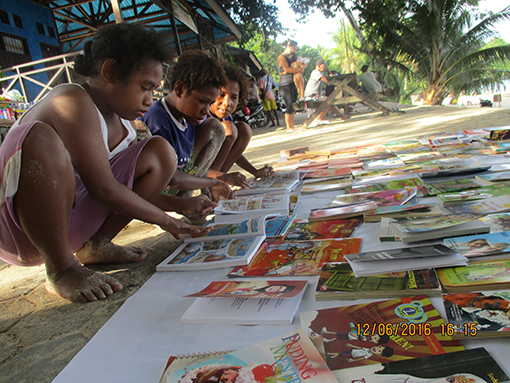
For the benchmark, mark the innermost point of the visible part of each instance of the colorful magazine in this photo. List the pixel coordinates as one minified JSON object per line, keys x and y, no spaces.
{"x":388,"y":185}
{"x":480,"y":245}
{"x":212,"y":254}
{"x":382,"y":198}
{"x":251,"y":289}
{"x":337,"y":228}
{"x":285,"y":258}
{"x":478,"y":314}
{"x":278,"y":359}
{"x":477,"y":276}
{"x":278,"y":226}
{"x":497,"y":222}
{"x":474,"y":194}
{"x":498,"y":204}
{"x":417,"y":225}
{"x":337,"y":281}
{"x":447,"y":187}
{"x":379,"y":332}
{"x":468,"y":366}
{"x":338,"y":212}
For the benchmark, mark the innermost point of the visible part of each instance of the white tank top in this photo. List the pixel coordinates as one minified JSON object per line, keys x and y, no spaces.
{"x":130,"y":137}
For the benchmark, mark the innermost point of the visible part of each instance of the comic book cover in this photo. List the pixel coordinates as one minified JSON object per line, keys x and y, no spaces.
{"x":286,"y":258}
{"x":336,"y":228}
{"x":478,"y":314}
{"x":379,"y":332}
{"x":467,"y":366}
{"x":288,"y":358}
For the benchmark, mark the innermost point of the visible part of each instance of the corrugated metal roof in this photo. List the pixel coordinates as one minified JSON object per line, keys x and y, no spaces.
{"x":77,"y":20}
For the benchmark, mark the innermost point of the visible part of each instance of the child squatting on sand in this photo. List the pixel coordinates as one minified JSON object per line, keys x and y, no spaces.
{"x":73,"y":175}
{"x":237,"y":135}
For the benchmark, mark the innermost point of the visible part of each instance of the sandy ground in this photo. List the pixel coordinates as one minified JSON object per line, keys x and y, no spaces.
{"x":40,"y":333}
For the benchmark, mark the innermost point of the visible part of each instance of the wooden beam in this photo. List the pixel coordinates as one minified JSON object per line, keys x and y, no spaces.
{"x":117,"y":11}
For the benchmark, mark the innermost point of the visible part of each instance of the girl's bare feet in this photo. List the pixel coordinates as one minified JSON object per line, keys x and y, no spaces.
{"x":79,"y":284}
{"x":102,"y":250}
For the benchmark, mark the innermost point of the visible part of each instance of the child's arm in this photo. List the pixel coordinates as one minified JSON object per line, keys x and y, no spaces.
{"x":79,"y":127}
{"x":185,"y":181}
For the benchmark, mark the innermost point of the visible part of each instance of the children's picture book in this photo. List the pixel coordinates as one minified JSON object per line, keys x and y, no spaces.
{"x":382,"y":198}
{"x":488,"y":178}
{"x":498,"y":222}
{"x":212,"y":254}
{"x":380,"y":332}
{"x":338,"y":212}
{"x":404,"y":211}
{"x":420,"y":229}
{"x":478,"y":314}
{"x":488,"y":205}
{"x":288,"y":258}
{"x":480,"y":245}
{"x":408,"y":258}
{"x":337,"y":281}
{"x":476,"y":276}
{"x":246,"y":207}
{"x":271,"y":185}
{"x":327,"y":173}
{"x":388,"y":185}
{"x":432,"y":189}
{"x":243,"y":229}
{"x":279,"y":359}
{"x":251,"y":289}
{"x":246,"y":309}
{"x":278,"y":226}
{"x":468,"y":366}
{"x":337,"y":228}
{"x":474,"y":194}
{"x":263,"y":204}
{"x":325,"y":185}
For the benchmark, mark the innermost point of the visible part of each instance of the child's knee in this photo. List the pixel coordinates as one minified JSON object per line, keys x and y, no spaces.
{"x":231,"y":132}
{"x":163,"y":153}
{"x":45,"y":143}
{"x":244,"y":131}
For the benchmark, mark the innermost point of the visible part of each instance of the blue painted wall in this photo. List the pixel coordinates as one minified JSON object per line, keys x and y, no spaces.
{"x":30,"y":14}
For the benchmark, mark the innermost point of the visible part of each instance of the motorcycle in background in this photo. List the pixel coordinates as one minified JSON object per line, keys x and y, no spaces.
{"x":253,"y":114}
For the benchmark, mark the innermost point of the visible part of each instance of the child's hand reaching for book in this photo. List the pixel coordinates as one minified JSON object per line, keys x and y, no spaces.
{"x":176,"y":227}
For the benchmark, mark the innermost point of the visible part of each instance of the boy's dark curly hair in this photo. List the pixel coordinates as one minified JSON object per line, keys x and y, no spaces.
{"x":236,"y":74}
{"x":130,"y":45}
{"x":196,"y":70}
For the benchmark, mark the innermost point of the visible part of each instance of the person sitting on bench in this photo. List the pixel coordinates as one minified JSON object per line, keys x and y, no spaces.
{"x":369,"y":84}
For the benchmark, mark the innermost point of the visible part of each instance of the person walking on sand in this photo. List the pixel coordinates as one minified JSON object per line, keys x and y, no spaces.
{"x":73,"y":174}
{"x":287,"y":87}
{"x":266,"y":86}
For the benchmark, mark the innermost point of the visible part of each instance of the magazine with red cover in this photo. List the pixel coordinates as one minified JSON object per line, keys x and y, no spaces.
{"x":287,"y":258}
{"x":379,"y":332}
{"x":336,"y":228}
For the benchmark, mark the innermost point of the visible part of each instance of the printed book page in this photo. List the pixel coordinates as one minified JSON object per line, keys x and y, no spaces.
{"x":243,"y":310}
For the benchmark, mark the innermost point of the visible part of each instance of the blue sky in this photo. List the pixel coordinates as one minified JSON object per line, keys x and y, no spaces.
{"x":317,"y":28}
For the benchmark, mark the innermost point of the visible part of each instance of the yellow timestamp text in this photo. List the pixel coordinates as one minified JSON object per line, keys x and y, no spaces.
{"x":389,"y":329}
{"x":464,"y":329}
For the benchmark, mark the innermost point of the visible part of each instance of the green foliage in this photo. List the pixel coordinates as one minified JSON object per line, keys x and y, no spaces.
{"x":346,"y":56}
{"x":254,"y":17}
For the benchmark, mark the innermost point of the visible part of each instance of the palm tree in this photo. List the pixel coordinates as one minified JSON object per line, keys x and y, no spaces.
{"x":439,"y":46}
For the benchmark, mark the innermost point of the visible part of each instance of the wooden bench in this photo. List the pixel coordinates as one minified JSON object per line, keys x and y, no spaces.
{"x":346,"y":93}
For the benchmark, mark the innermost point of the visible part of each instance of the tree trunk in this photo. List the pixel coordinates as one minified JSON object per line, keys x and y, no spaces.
{"x":353,"y":22}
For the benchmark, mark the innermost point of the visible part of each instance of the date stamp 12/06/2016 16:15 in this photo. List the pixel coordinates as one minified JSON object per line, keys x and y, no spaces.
{"x":414,"y":329}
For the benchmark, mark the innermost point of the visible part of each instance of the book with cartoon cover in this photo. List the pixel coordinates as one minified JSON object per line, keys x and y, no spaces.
{"x":388,"y":185}
{"x":287,"y":258}
{"x":480,"y":245}
{"x":336,"y":228}
{"x":379,"y":332}
{"x":291,"y":357}
{"x":337,"y":281}
{"x":467,"y":366}
{"x":476,"y":276}
{"x":212,"y":254}
{"x":478,"y":314}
